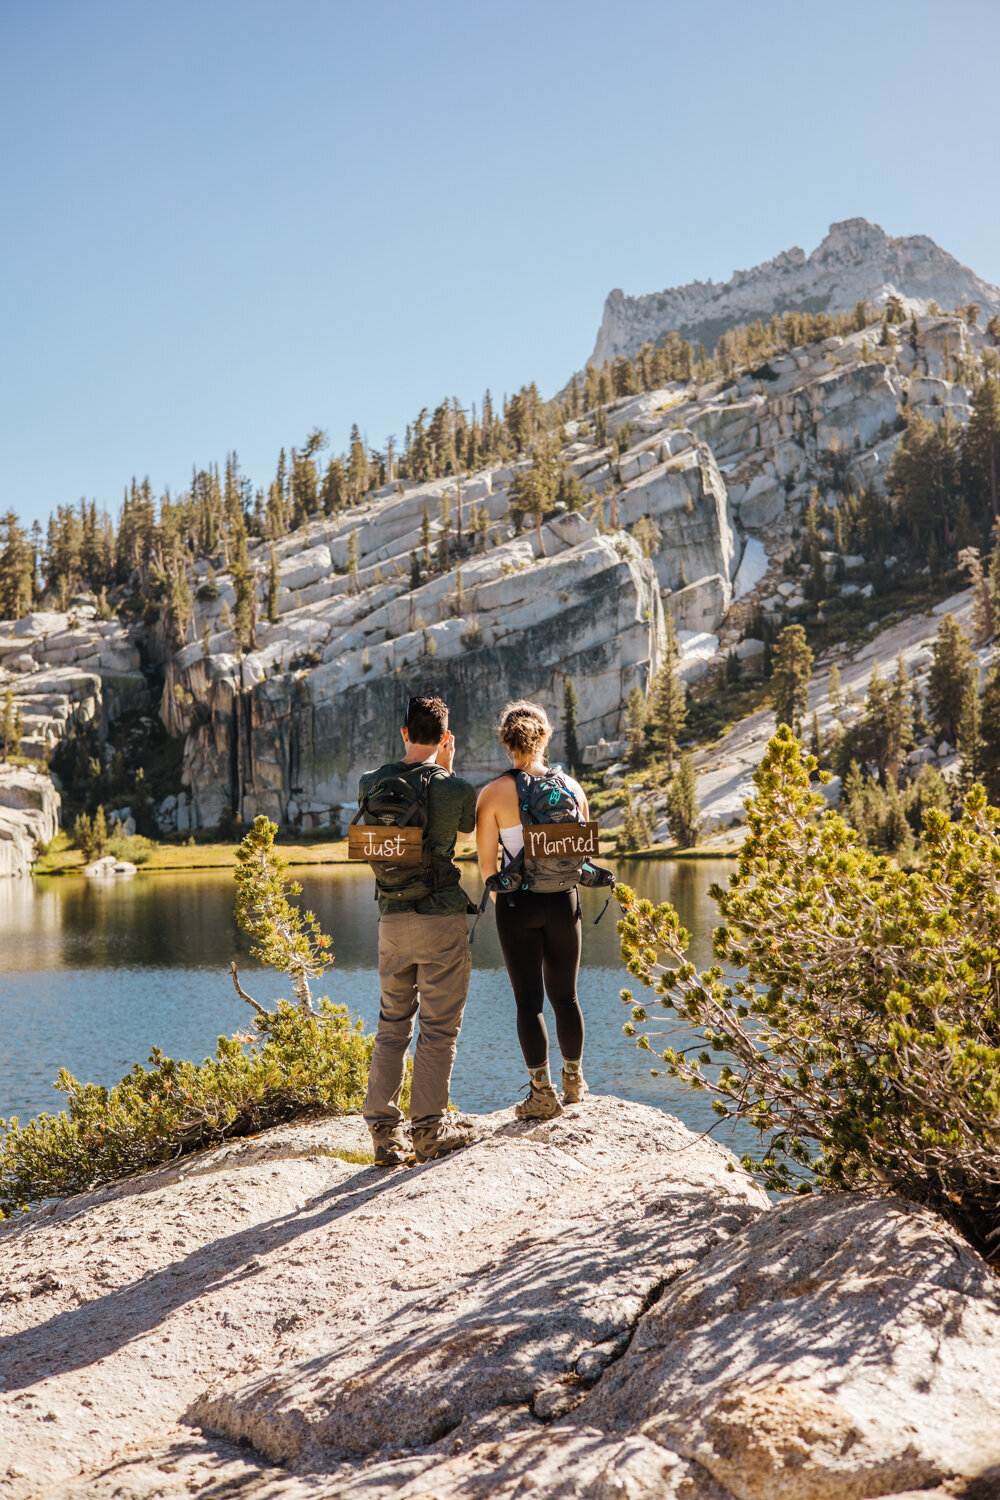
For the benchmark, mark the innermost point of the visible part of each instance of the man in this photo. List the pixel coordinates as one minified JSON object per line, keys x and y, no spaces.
{"x":423,"y":949}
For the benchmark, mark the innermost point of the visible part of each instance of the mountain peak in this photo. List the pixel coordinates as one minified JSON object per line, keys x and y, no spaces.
{"x":857,"y":261}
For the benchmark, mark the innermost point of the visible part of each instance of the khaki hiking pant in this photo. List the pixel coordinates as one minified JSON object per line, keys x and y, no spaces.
{"x":423,"y":966}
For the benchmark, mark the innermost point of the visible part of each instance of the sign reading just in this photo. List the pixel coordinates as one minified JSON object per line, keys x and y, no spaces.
{"x":560,"y":840}
{"x":398,"y":846}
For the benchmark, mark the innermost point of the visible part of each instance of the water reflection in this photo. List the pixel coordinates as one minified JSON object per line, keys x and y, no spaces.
{"x":93,"y":974}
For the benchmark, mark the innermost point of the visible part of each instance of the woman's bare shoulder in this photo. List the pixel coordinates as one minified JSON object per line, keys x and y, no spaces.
{"x":495,"y":791}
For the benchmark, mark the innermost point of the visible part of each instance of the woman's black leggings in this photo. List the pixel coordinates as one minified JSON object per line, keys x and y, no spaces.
{"x":539,"y":936}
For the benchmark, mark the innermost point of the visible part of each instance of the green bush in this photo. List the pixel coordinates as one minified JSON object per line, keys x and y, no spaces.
{"x":291,"y":1064}
{"x":861,"y":1039}
{"x":296,"y":1061}
{"x":134,"y":847}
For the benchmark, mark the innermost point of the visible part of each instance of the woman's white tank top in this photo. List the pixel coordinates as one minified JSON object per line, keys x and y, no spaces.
{"x":511,"y":843}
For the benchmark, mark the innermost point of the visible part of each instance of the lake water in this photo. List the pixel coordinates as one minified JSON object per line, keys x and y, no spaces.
{"x":93,"y":974}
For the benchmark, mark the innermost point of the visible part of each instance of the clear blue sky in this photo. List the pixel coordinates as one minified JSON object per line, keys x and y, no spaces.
{"x":225,"y":222}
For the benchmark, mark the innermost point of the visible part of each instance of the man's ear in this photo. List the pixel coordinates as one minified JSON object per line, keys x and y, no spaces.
{"x":403,"y":732}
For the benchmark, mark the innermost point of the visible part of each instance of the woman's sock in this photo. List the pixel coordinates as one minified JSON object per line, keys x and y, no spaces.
{"x":541,"y":1078}
{"x":572,"y":1066}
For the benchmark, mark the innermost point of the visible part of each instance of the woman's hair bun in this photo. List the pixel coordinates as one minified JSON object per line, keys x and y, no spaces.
{"x":524,"y":727}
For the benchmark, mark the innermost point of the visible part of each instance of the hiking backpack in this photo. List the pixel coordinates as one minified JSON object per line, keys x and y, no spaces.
{"x":399,"y":800}
{"x":545,"y":800}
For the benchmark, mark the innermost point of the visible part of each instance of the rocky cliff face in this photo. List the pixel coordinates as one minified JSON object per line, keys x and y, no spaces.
{"x":856,"y":262}
{"x":603,"y":1306}
{"x":29,"y":816}
{"x":694,"y":512}
{"x":721,"y":474}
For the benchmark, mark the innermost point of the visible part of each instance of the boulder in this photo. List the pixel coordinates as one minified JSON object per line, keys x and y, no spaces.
{"x":839,"y":1347}
{"x":762,"y":504}
{"x":308,"y":567}
{"x":107,"y":866}
{"x":274,"y":1287}
{"x":701,"y":605}
{"x":752,"y":569}
{"x":750,"y":649}
{"x":601,"y":1307}
{"x":697,"y":648}
{"x":571,"y":528}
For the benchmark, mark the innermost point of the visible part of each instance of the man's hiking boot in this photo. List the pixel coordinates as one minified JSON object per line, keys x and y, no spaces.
{"x":392,"y":1145}
{"x":440,"y":1138}
{"x":541,"y":1104}
{"x":574,"y":1087}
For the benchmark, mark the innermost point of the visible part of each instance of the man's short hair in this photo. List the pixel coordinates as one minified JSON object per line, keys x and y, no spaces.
{"x":426,"y":720}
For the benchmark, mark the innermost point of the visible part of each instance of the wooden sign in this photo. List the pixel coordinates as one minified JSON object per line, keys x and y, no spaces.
{"x":560,"y":840}
{"x":375,"y":841}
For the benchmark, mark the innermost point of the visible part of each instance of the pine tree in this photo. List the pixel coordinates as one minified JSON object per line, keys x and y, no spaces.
{"x":357,"y":468}
{"x":982,"y":597}
{"x":245,"y":616}
{"x":835,"y":691}
{"x":10,"y":726}
{"x":16,"y":568}
{"x":533,"y":491}
{"x":425,"y":540}
{"x":180,"y":609}
{"x":569,"y":726}
{"x":444,"y":535}
{"x":948,"y":678}
{"x":334,"y":488}
{"x":981,"y":452}
{"x":99,"y":836}
{"x":352,"y":559}
{"x":668,"y":708}
{"x":632,"y":835}
{"x":272,"y":589}
{"x":924,"y":481}
{"x":886,"y":730}
{"x":648,"y":535}
{"x":989,"y":728}
{"x":683,"y":815}
{"x":790,"y":676}
{"x":635,"y":719}
{"x":815,"y":737}
{"x":414,"y":571}
{"x":971,"y":747}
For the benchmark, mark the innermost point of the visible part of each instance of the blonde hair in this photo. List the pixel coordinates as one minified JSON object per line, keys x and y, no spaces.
{"x":524,"y":728}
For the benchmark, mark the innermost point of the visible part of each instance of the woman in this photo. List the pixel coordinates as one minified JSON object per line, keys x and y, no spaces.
{"x":539,"y":931}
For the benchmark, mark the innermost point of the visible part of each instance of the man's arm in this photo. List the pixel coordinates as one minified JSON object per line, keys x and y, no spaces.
{"x":467,"y":820}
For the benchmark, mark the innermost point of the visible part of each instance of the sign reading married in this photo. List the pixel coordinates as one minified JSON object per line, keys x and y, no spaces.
{"x":560,"y":840}
{"x":399,"y":846}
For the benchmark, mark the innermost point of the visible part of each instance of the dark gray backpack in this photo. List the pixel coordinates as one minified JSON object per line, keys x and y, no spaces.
{"x":548,"y":800}
{"x":399,"y":800}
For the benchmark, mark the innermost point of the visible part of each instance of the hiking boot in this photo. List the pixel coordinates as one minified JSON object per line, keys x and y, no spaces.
{"x":574,"y":1087}
{"x":541,"y":1104}
{"x":392,"y":1145}
{"x":440,"y":1137}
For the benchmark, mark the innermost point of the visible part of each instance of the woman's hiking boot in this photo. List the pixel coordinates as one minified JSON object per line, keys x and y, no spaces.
{"x":440,"y":1137}
{"x":541,"y":1104}
{"x":392,"y":1145}
{"x":574,"y":1087}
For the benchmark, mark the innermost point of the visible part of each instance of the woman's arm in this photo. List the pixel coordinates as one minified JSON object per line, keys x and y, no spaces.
{"x":487,"y":832}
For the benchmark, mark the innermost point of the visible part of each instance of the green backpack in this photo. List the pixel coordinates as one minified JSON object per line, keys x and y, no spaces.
{"x":399,"y":800}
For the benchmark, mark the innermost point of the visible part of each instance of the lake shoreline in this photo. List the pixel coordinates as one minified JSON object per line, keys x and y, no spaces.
{"x":173,"y":859}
